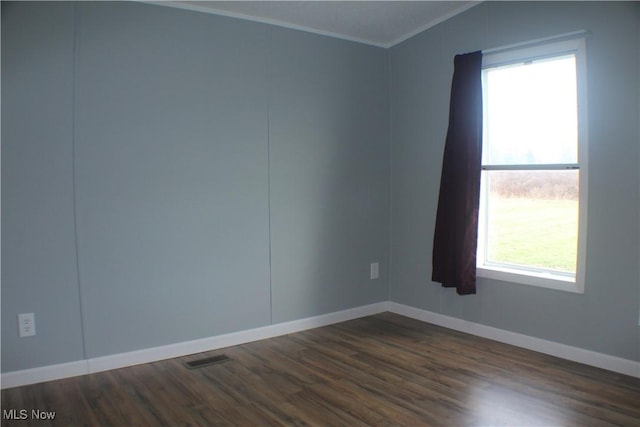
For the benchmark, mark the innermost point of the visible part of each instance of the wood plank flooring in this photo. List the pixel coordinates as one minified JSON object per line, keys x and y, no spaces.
{"x":382,"y":370}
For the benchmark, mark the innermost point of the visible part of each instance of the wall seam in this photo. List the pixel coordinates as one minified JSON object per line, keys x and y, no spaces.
{"x":390,"y":178}
{"x":74,"y":113}
{"x":269,"y":75}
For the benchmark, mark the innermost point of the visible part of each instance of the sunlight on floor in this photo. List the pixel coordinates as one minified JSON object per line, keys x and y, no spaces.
{"x":500,"y":406}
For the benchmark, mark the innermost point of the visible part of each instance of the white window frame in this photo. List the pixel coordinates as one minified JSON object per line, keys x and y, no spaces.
{"x":533,"y":277}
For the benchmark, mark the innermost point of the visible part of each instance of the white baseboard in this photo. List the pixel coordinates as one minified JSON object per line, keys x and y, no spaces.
{"x":44,"y":373}
{"x":154,"y":354}
{"x":563,"y":351}
{"x":122,"y":360}
{"x":115,"y":361}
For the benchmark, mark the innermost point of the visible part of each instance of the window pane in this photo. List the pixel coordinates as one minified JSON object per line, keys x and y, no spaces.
{"x":531,"y":113}
{"x":532,"y":219}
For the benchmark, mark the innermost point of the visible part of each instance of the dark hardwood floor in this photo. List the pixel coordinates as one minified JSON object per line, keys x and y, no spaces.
{"x":382,"y":370}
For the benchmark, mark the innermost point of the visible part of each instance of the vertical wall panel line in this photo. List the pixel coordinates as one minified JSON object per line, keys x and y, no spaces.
{"x":269,"y":67}
{"x":74,"y":178}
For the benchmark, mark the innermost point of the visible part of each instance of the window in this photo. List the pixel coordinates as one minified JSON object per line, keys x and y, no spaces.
{"x":532,"y":218}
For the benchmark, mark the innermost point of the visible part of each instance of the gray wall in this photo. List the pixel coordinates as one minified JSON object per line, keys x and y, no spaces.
{"x":329,"y":174}
{"x":605,"y":318}
{"x":185,"y":151}
{"x":39,"y":270}
{"x":171,"y":176}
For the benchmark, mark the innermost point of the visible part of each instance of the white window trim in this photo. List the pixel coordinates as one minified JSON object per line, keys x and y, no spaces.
{"x":548,"y":279}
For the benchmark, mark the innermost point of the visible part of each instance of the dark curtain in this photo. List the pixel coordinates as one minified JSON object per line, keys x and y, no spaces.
{"x":456,"y":234}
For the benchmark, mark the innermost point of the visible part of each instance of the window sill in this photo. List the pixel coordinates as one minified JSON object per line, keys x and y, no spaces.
{"x":542,"y":280}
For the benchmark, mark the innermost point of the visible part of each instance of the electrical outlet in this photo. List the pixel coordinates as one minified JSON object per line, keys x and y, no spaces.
{"x":26,"y":325}
{"x":374,"y":271}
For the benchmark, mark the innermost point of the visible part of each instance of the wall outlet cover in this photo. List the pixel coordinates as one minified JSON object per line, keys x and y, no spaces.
{"x":26,"y":325}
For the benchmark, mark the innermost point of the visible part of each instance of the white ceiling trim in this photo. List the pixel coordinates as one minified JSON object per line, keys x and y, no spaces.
{"x":433,"y":23}
{"x":283,"y":24}
{"x":277,"y":23}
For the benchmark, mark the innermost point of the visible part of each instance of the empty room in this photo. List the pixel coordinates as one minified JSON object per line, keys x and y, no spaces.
{"x":320,"y":213}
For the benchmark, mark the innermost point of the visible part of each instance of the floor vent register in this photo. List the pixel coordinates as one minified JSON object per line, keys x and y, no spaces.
{"x":201,"y":363}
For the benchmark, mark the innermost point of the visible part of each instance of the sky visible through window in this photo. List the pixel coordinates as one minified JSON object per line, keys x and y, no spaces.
{"x":532,"y":113}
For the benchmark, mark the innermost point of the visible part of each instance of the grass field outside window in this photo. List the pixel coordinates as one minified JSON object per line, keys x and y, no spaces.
{"x":534,"y":232}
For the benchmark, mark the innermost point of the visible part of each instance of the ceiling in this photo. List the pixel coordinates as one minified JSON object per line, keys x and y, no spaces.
{"x":379,"y":23}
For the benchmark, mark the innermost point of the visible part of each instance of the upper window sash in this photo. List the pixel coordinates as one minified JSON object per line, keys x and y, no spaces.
{"x":571,"y":43}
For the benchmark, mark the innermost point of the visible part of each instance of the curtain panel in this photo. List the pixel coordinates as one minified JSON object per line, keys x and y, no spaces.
{"x":456,"y":233}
